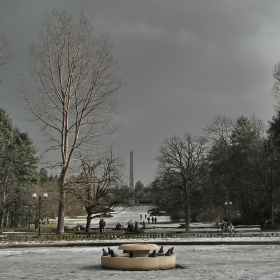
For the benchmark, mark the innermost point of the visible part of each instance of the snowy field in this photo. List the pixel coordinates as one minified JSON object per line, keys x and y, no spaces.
{"x":195,"y":262}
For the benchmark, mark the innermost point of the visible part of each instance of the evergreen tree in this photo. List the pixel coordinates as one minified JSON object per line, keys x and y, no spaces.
{"x":18,"y":165}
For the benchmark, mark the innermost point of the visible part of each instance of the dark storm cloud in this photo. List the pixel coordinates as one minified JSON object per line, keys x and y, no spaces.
{"x":183,"y":61}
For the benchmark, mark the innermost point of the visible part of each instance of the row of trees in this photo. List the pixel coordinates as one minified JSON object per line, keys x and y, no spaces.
{"x":96,"y":190}
{"x":18,"y":168}
{"x":236,"y":161}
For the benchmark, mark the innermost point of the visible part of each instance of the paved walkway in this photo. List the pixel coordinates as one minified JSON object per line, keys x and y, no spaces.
{"x":123,"y":217}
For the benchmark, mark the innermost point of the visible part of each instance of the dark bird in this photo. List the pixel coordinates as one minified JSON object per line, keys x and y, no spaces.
{"x":104,"y":252}
{"x":131,"y":254}
{"x":112,"y":253}
{"x":154,"y":254}
{"x":171,"y":250}
{"x":168,"y":253}
{"x":161,"y":250}
{"x":109,"y":250}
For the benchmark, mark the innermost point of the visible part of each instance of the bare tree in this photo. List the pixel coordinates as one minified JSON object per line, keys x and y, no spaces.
{"x":220,"y":129}
{"x":100,"y":188}
{"x":74,"y":99}
{"x":184,"y":159}
{"x":5,"y":53}
{"x":276,"y":84}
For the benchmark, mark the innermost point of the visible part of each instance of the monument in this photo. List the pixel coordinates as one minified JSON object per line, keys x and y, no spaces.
{"x":131,"y":178}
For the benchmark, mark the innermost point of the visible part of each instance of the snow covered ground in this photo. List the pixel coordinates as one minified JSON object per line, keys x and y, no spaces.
{"x":131,"y":213}
{"x":195,"y":262}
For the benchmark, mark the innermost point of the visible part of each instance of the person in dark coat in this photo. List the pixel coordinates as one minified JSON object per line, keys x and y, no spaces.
{"x":223,"y":226}
{"x":102,"y":225}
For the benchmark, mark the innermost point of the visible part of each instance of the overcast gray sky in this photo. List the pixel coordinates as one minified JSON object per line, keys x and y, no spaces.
{"x":183,"y":61}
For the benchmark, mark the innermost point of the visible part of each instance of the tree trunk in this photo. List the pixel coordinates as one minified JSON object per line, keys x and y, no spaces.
{"x":61,"y":210}
{"x":272,"y":214}
{"x":6,"y":219}
{"x":88,"y":222}
{"x":2,"y":212}
{"x":1,"y":221}
{"x":187,"y":213}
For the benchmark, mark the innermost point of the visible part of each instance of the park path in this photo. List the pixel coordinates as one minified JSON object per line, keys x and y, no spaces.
{"x":123,"y":217}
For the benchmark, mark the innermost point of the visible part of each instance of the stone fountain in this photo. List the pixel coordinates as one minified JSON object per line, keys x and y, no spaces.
{"x":138,"y":256}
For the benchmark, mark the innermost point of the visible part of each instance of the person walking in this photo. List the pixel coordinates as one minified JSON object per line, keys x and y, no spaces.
{"x":223,"y":226}
{"x":230,"y":228}
{"x":102,"y":225}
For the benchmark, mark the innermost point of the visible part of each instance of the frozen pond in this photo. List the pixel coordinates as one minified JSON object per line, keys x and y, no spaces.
{"x":196,"y":261}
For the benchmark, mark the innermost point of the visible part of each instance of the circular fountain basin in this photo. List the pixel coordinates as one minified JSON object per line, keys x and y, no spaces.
{"x":141,"y":261}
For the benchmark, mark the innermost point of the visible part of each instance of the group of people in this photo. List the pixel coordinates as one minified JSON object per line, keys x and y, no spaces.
{"x":153,"y":219}
{"x":141,"y":216}
{"x":135,"y":227}
{"x":227,"y":227}
{"x":130,"y":226}
{"x":118,"y":226}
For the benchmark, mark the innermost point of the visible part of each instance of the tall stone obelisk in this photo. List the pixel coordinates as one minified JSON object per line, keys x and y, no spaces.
{"x":131,"y":178}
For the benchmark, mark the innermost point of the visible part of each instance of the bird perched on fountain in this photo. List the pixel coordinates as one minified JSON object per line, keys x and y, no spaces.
{"x":161,"y":250}
{"x":105,"y":253}
{"x":112,"y":253}
{"x":168,"y":253}
{"x":109,"y":250}
{"x":171,"y":250}
{"x":154,"y":254}
{"x":131,"y":254}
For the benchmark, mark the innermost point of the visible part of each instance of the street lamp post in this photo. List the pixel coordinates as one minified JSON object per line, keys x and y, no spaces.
{"x":228,"y":203}
{"x":34,"y":195}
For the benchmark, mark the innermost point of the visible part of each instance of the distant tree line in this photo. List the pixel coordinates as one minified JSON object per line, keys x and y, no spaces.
{"x":231,"y":173}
